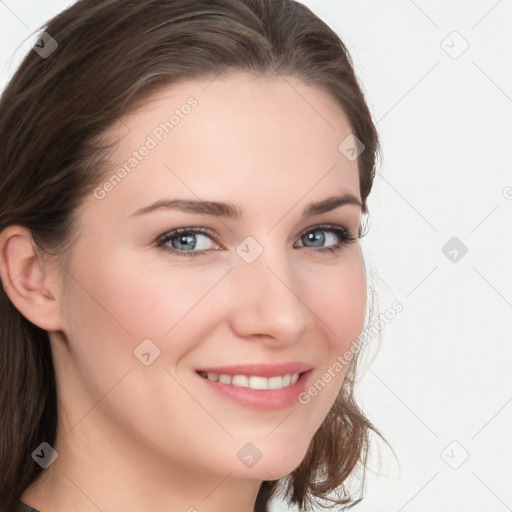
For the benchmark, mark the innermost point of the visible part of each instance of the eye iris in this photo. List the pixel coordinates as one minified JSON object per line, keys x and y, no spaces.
{"x":317,"y":238}
{"x":185,"y":240}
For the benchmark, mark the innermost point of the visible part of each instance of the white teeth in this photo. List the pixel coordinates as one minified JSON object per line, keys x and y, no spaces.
{"x":253,"y":381}
{"x":275,"y":382}
{"x":225,"y":379}
{"x":241,"y":381}
{"x":258,"y":382}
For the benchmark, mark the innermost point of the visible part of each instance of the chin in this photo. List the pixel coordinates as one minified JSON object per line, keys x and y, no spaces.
{"x":276,"y":461}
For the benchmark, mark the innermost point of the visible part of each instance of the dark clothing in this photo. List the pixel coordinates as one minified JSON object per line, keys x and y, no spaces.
{"x":21,"y":507}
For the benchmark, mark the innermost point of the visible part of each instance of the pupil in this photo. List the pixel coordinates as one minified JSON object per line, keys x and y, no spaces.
{"x":185,"y":240}
{"x":317,"y":238}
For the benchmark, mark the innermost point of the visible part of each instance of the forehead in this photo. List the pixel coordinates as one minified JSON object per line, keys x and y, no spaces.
{"x":237,"y":136}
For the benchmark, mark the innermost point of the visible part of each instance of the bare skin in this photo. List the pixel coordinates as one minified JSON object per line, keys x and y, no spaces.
{"x":142,"y":438}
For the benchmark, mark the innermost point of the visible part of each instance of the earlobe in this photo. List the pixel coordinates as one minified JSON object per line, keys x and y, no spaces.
{"x":26,"y":280}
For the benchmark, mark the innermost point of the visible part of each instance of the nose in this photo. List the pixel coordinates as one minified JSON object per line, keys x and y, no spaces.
{"x":268,"y":301}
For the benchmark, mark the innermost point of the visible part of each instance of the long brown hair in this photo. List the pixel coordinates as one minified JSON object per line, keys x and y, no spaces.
{"x":111,"y":55}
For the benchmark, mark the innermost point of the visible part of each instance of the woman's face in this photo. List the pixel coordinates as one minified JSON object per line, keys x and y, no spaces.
{"x":250,"y":285}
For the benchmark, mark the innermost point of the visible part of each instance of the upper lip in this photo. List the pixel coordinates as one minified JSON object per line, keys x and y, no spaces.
{"x":259,"y":370}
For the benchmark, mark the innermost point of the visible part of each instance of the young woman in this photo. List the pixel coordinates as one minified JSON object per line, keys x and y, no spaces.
{"x":184,"y":296}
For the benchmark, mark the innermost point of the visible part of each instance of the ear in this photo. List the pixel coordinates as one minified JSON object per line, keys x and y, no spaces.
{"x":26,"y":280}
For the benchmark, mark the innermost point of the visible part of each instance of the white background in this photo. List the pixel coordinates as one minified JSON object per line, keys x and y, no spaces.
{"x":439,"y":387}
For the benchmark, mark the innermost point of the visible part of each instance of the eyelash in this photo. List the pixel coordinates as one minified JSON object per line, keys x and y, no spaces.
{"x":343,"y":235}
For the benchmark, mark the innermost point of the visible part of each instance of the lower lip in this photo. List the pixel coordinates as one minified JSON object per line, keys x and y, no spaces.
{"x":261,"y":399}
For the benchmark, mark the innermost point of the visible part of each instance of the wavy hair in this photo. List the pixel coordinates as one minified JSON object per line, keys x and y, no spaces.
{"x":112,"y":55}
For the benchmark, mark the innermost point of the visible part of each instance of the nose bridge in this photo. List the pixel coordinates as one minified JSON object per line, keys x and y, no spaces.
{"x":267,"y":297}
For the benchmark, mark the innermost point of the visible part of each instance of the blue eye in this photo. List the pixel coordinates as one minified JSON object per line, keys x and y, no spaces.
{"x":198,"y":241}
{"x":327,"y":238}
{"x":187,"y":241}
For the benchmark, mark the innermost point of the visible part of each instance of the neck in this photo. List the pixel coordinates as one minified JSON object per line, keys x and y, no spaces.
{"x":97,"y":471}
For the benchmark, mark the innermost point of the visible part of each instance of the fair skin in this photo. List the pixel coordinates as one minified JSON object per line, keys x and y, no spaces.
{"x":142,"y":438}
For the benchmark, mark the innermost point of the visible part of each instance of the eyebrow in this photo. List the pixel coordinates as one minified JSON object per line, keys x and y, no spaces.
{"x":230,"y":211}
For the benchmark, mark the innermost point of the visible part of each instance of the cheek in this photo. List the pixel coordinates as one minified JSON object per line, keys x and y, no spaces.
{"x":339,"y":301}
{"x":119,"y":301}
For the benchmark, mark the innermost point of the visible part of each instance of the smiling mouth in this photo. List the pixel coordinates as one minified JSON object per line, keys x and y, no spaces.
{"x":253,"y":381}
